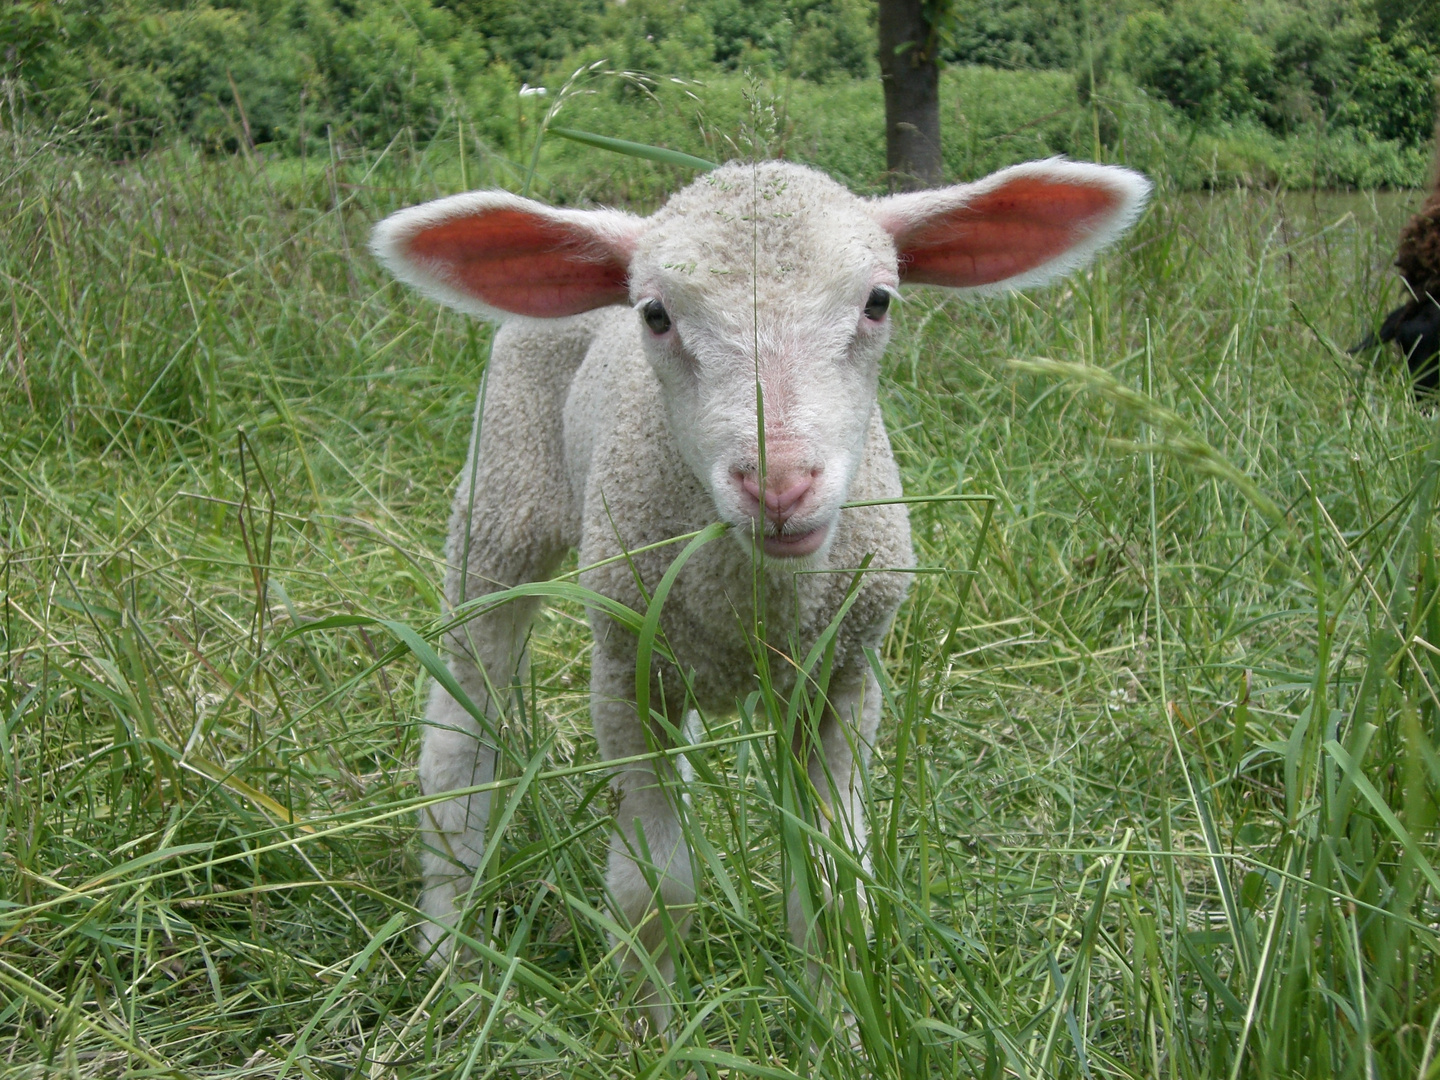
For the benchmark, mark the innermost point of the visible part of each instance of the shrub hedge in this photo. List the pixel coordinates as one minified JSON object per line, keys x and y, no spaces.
{"x":1338,"y":92}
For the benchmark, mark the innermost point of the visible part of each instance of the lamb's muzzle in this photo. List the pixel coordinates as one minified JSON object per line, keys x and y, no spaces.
{"x":783,"y":520}
{"x":621,"y":411}
{"x":784,"y":491}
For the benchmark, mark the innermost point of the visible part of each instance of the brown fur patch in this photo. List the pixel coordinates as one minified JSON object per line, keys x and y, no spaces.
{"x":1418,"y":257}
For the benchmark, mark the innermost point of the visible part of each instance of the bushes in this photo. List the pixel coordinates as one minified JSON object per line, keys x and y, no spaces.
{"x":1394,"y":88}
{"x":1350,"y":89}
{"x":128,"y":74}
{"x":1290,"y":69}
{"x":382,"y":74}
{"x":1199,"y":57}
{"x":528,"y":35}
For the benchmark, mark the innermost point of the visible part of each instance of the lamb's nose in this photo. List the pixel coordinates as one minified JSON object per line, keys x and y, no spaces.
{"x":784,"y":491}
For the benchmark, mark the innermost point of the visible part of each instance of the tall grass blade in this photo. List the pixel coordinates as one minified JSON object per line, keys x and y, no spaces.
{"x":634,"y":149}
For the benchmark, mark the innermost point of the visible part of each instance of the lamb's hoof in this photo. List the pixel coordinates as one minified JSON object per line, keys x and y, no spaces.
{"x":644,"y":1028}
{"x":647,"y":1017}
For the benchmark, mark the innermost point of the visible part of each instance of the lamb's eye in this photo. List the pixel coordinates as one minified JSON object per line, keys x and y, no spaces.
{"x":877,"y":305}
{"x":656,"y":317}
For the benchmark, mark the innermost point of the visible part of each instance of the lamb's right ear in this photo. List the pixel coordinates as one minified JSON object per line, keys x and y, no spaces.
{"x":491,"y":253}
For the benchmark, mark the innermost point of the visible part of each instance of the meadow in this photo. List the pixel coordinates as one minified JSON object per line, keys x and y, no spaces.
{"x":1156,"y":795}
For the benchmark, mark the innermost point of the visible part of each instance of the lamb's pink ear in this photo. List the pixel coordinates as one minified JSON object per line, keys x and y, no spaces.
{"x":1020,"y":226}
{"x":491,"y":253}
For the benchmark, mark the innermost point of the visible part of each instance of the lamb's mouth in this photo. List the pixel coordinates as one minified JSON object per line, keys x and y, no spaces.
{"x":796,"y":545}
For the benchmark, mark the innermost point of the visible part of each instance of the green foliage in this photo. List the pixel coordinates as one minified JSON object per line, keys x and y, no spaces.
{"x":1199,"y":56}
{"x":132,"y":71}
{"x":816,"y":40}
{"x":393,"y":65}
{"x":833,"y":39}
{"x":747,"y":31}
{"x":531,"y":36}
{"x":132,"y":74}
{"x":1422,"y":15}
{"x":1394,"y":91}
{"x":1015,"y":33}
{"x":1312,"y":70}
{"x":658,"y":36}
{"x":1291,"y":68}
{"x":298,"y":77}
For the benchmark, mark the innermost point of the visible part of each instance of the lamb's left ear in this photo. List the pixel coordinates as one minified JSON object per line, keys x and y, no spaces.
{"x":494,"y":254}
{"x":1020,"y":226}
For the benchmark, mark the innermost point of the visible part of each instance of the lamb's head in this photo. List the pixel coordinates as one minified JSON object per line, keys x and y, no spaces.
{"x":761,"y":295}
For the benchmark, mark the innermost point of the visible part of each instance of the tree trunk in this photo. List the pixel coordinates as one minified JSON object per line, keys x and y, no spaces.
{"x":911,"y":77}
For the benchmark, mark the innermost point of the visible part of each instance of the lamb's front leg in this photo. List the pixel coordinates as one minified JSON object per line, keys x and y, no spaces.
{"x":836,"y":770}
{"x":508,"y":525}
{"x":650,"y":878}
{"x":457,"y":752}
{"x":454,"y":753}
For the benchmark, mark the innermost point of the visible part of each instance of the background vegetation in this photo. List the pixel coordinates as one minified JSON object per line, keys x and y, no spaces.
{"x":1289,"y":92}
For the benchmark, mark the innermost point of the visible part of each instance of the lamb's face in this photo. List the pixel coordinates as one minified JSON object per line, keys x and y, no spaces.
{"x":762,"y":291}
{"x":766,"y":292}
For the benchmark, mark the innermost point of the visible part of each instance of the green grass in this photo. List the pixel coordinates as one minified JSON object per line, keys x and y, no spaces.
{"x":1163,"y":805}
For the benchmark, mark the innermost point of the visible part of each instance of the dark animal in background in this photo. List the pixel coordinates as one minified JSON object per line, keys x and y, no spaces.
{"x":1415,"y":324}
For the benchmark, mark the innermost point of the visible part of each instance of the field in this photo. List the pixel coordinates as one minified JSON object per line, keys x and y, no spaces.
{"x":1163,"y":804}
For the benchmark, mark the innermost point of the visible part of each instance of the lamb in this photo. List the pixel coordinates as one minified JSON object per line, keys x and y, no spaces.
{"x":717,"y":361}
